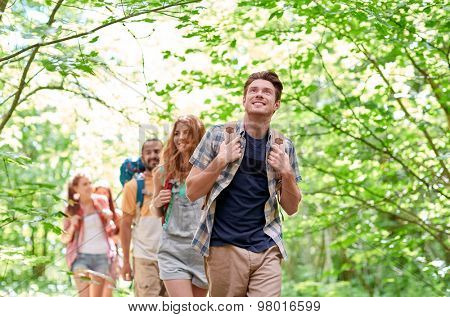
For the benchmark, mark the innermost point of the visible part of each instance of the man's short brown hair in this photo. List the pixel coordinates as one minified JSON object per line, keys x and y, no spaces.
{"x":269,"y":76}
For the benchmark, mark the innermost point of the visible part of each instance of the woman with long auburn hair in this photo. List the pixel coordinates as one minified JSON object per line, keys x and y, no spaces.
{"x":88,"y":229}
{"x":181,"y":268}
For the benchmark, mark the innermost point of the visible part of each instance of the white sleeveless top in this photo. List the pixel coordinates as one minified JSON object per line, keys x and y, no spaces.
{"x":94,"y":239}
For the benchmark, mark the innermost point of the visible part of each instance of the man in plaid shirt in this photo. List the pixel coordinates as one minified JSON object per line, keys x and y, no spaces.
{"x":240,"y":229}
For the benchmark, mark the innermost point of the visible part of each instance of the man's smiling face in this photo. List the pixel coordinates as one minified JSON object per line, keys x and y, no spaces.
{"x":260,"y":98}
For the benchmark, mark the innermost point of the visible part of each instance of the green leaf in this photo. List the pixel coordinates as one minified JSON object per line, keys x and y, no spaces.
{"x":39,"y":184}
{"x":311,"y":89}
{"x":53,"y":228}
{"x":85,"y":68}
{"x":48,"y":65}
{"x":94,"y":39}
{"x":15,"y":158}
{"x":261,"y":33}
{"x":361,"y":16}
{"x":276,"y":14}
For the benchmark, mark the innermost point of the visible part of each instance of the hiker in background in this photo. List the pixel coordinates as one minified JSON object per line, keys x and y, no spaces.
{"x":87,"y":232}
{"x":102,"y":188}
{"x":146,"y":231}
{"x":243,"y":168}
{"x":181,"y":268}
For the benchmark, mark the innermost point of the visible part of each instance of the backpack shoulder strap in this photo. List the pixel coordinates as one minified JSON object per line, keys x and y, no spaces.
{"x":229,"y":130}
{"x":140,"y":180}
{"x":278,"y":138}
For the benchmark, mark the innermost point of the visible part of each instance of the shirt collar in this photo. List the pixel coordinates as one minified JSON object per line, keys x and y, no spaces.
{"x":240,"y":129}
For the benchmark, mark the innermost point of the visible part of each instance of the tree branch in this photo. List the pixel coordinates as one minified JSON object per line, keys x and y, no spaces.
{"x":403,"y":107}
{"x":349,"y":106}
{"x":363,"y":50}
{"x":385,"y":151}
{"x":433,"y":85}
{"x":37,"y":45}
{"x":15,"y":102}
{"x":383,"y":198}
{"x":375,"y":207}
{"x":346,"y":101}
{"x":140,"y":48}
{"x":38,"y":89}
{"x":83,"y":93}
{"x":35,"y":48}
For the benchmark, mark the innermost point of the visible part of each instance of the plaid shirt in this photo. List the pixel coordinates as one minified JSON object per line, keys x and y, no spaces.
{"x":205,"y":152}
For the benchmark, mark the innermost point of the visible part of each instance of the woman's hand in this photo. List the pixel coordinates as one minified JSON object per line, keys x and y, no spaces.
{"x":107,"y":213}
{"x":163,"y":198}
{"x":127,"y":273}
{"x":110,"y":227}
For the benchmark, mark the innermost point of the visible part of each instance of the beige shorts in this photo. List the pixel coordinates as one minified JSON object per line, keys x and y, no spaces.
{"x":233,"y":271}
{"x":146,"y":279}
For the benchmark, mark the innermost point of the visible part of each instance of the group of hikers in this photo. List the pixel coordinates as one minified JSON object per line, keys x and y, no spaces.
{"x":202,"y":218}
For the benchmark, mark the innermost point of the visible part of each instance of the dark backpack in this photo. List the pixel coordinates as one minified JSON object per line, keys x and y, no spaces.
{"x":133,"y":168}
{"x":129,"y":168}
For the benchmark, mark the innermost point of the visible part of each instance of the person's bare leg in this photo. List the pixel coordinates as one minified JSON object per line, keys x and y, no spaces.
{"x":96,"y":288}
{"x":179,"y":288}
{"x":82,"y":284}
{"x":199,"y":292}
{"x":107,"y":289}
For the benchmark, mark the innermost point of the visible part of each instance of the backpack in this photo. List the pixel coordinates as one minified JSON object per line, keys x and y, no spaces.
{"x":134,"y":168}
{"x":129,"y":168}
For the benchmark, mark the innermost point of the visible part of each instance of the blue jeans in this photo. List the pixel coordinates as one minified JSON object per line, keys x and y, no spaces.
{"x":95,"y":262}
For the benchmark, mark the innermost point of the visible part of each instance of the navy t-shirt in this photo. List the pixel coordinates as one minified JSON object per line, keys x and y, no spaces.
{"x":239,"y":218}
